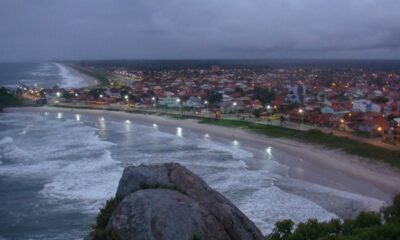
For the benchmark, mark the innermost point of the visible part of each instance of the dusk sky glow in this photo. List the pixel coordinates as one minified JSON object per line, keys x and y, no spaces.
{"x":183,"y":29}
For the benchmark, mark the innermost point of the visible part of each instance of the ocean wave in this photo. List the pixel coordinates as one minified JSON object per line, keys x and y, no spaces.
{"x":68,"y":79}
{"x":269,"y":205}
{"x":237,"y":152}
{"x":91,"y":180}
{"x":6,"y":140}
{"x":337,"y":197}
{"x":10,"y":151}
{"x":26,"y":129}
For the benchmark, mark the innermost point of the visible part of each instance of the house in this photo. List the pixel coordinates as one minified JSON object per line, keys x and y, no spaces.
{"x":396,"y":129}
{"x":169,"y":102}
{"x":373,"y":123}
{"x":193,"y":102}
{"x":364,"y":105}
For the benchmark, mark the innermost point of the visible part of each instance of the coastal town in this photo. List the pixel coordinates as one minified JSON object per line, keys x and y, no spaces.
{"x":354,"y":102}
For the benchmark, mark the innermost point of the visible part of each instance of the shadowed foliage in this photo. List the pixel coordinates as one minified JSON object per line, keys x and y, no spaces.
{"x":384,"y":225}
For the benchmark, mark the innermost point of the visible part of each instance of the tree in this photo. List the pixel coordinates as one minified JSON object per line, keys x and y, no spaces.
{"x":214,"y":98}
{"x":265,"y":95}
{"x":8,"y":99}
{"x":380,"y":100}
{"x":366,"y":226}
{"x":282,"y":230}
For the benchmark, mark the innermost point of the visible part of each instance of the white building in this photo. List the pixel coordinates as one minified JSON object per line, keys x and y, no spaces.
{"x":364,"y":105}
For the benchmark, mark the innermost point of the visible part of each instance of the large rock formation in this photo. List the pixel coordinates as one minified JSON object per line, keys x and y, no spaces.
{"x":170,"y":202}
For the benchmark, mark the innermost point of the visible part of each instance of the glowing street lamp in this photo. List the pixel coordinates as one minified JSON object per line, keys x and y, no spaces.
{"x":58,"y":94}
{"x":380,"y":130}
{"x":154,"y":102}
{"x":269,"y":112}
{"x":301,"y":111}
{"x":178,"y":100}
{"x":235,"y":106}
{"x":127,"y":100}
{"x":206,"y":103}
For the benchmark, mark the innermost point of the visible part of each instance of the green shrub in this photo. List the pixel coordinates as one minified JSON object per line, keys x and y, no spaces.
{"x":366,"y":226}
{"x":102,"y":219}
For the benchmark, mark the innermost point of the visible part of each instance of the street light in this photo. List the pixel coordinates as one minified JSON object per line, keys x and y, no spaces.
{"x":301,"y":111}
{"x":58,"y":94}
{"x":178,"y":100}
{"x":154,"y":102}
{"x":127,"y":101}
{"x":206,"y":103}
{"x":235,"y":105}
{"x":269,"y":112}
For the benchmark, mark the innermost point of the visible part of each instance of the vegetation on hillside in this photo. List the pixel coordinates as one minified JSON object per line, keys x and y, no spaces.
{"x":8,"y":99}
{"x":384,"y":225}
{"x":99,"y":229}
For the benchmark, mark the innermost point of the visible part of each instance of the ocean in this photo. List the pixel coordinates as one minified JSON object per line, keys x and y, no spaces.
{"x":41,"y":74}
{"x":58,"y":168}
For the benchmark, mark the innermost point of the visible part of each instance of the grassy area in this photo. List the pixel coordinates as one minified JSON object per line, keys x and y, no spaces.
{"x":316,"y":137}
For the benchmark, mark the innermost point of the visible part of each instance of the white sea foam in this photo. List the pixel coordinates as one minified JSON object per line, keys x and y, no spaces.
{"x":10,"y":86}
{"x":268,"y":205}
{"x":6,"y":140}
{"x":43,"y":70}
{"x":92,"y":180}
{"x":26,"y":129}
{"x":237,"y":152}
{"x":82,"y":171}
{"x":68,"y":79}
{"x":10,"y":151}
{"x":367,"y":202}
{"x":75,"y":162}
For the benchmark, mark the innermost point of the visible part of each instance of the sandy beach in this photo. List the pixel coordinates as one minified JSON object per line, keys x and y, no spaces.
{"x":311,"y":163}
{"x":89,"y":80}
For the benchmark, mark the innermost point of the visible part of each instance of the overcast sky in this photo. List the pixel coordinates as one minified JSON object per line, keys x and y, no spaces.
{"x":176,"y":29}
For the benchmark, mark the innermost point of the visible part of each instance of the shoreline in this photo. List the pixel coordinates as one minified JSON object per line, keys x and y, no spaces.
{"x":89,"y":80}
{"x":314,"y":164}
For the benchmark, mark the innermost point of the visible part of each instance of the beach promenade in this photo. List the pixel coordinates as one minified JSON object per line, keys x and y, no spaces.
{"x":377,"y":141}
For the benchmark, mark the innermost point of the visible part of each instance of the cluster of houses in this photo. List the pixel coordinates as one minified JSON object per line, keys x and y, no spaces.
{"x":351,"y":100}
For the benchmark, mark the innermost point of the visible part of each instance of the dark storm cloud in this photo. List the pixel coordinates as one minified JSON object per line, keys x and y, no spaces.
{"x":98,"y":29}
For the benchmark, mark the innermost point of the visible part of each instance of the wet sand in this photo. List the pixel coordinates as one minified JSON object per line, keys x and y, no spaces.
{"x":89,"y":80}
{"x":315,"y":164}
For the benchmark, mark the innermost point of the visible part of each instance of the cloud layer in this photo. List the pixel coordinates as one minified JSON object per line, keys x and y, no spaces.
{"x":159,"y":29}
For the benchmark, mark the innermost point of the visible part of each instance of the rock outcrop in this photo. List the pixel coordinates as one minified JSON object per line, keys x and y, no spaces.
{"x":170,"y":202}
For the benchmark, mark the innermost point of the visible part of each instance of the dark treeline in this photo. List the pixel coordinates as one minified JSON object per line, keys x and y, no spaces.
{"x":384,"y":225}
{"x":8,"y":99}
{"x":255,"y":64}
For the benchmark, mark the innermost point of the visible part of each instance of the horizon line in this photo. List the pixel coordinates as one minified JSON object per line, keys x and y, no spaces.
{"x":201,"y":59}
